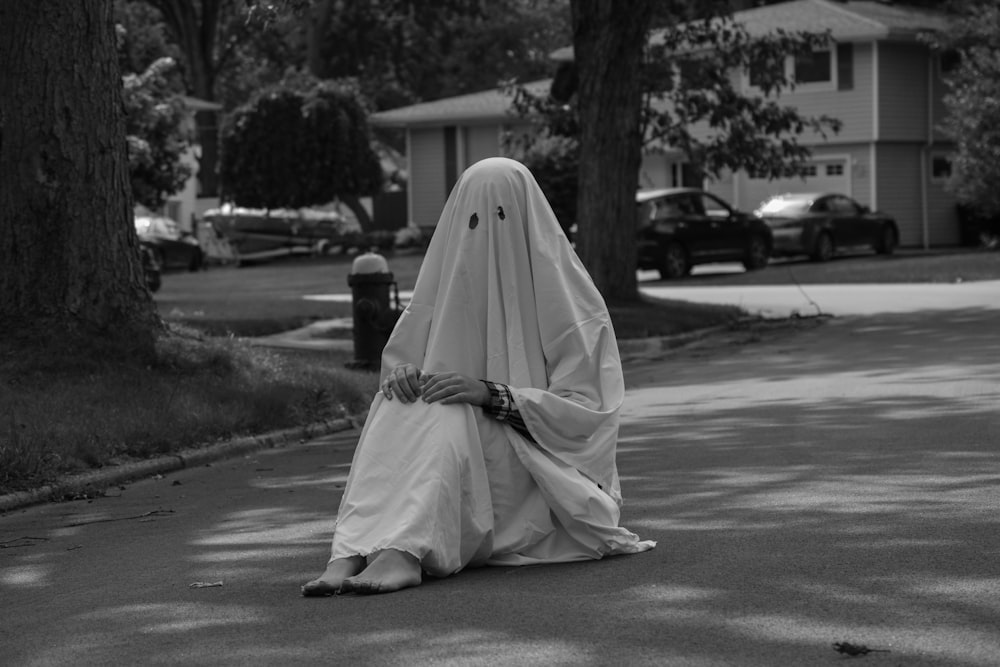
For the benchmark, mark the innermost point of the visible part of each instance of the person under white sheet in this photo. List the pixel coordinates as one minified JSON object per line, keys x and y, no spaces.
{"x":493,"y":438}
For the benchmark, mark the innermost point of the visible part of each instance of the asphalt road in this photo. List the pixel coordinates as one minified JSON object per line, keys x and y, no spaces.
{"x":836,"y":481}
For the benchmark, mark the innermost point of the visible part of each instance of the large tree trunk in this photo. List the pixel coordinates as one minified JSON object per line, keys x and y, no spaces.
{"x":609,"y":40}
{"x":70,"y":270}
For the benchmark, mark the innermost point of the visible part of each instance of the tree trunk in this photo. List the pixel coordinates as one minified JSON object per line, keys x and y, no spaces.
{"x":70,"y":269}
{"x":608,"y":43}
{"x":319,"y":25}
{"x":357,"y":208}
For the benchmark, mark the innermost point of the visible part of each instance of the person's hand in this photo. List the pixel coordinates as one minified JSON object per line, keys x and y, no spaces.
{"x":402,"y":381}
{"x":451,"y":387}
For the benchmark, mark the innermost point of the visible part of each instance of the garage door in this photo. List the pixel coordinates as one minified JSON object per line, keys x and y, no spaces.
{"x":820,"y":176}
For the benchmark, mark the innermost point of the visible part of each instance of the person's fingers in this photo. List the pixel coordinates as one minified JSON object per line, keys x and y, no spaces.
{"x":448,"y":388}
{"x":411,"y":378}
{"x":404,"y":382}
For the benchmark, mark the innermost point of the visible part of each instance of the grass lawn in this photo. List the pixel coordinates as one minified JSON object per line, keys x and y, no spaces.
{"x":268,"y":298}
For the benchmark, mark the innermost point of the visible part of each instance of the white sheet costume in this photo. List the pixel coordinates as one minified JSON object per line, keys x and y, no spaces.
{"x":501,"y":296}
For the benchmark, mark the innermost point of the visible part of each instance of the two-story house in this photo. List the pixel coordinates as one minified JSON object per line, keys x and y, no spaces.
{"x":877,"y":76}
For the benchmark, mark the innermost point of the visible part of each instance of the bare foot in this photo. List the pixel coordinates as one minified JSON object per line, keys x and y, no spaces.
{"x":337,"y":571}
{"x":391,"y":570}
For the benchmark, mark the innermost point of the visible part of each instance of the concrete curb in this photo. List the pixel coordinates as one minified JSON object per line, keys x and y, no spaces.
{"x":637,"y":348}
{"x":630,"y":351}
{"x":641,"y":348}
{"x":187,"y":458}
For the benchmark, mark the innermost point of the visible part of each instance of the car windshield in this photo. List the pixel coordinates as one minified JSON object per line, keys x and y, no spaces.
{"x":782,"y":206}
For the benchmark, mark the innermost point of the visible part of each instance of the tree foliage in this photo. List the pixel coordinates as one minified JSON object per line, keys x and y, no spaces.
{"x":554,"y":161}
{"x":973,"y":103}
{"x":692,"y":102}
{"x":207,"y":34}
{"x":406,"y":50}
{"x":401,"y":51}
{"x":298,"y":145}
{"x":158,"y":130}
{"x":695,"y":104}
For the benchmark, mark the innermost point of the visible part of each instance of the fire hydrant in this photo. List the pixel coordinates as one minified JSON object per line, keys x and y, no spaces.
{"x":374,"y":315}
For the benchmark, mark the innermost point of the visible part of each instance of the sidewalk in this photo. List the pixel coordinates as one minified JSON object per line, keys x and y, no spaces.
{"x":832,"y":484}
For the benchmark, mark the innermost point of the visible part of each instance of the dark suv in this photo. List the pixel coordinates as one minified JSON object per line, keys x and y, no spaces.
{"x":679,"y":228}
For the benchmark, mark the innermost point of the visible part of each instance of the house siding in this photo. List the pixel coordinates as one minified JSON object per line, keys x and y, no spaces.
{"x":900,"y":195}
{"x":942,"y":214}
{"x":938,"y":92}
{"x":853,"y":108}
{"x":428,"y":190}
{"x":481,"y":142}
{"x":903,"y":78}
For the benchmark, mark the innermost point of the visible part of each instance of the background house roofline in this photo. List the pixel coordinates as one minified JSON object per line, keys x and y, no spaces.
{"x":848,"y":21}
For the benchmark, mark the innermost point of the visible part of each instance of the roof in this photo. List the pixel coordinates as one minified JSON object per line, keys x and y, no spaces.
{"x":488,"y":105}
{"x":848,"y":21}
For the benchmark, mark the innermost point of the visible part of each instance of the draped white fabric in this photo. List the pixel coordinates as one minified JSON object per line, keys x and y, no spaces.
{"x":501,"y":295}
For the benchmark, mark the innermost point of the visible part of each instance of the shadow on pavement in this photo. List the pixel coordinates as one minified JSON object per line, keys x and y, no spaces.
{"x":838,"y":484}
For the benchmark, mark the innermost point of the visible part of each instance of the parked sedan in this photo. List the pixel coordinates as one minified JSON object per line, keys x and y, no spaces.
{"x":823,"y":224}
{"x":679,"y":228}
{"x":170,"y":246}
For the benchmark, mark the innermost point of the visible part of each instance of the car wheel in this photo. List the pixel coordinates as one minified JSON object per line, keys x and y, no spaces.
{"x":675,"y":263}
{"x":824,"y":249}
{"x":757,"y":254}
{"x":159,"y":258}
{"x":887,"y":241}
{"x":197,"y":259}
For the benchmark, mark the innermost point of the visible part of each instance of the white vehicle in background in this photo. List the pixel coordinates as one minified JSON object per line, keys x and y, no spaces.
{"x":257,"y":234}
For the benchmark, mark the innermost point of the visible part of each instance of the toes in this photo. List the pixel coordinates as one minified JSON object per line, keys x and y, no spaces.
{"x":318,"y":588}
{"x":360,"y":587}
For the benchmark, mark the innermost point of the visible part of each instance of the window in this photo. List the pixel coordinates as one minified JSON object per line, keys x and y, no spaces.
{"x":940,"y":168}
{"x":689,"y":70}
{"x":814,"y":67}
{"x":948,"y":61}
{"x":834,"y":170}
{"x":713,"y":207}
{"x":667,"y":209}
{"x":842,"y":205}
{"x":756,"y":75}
{"x":811,"y":72}
{"x":808,"y":170}
{"x":845,"y":66}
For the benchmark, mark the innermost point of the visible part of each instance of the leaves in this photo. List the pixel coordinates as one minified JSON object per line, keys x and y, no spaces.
{"x":299,"y":144}
{"x":693,"y":102}
{"x":973,"y":102}
{"x":158,"y":132}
